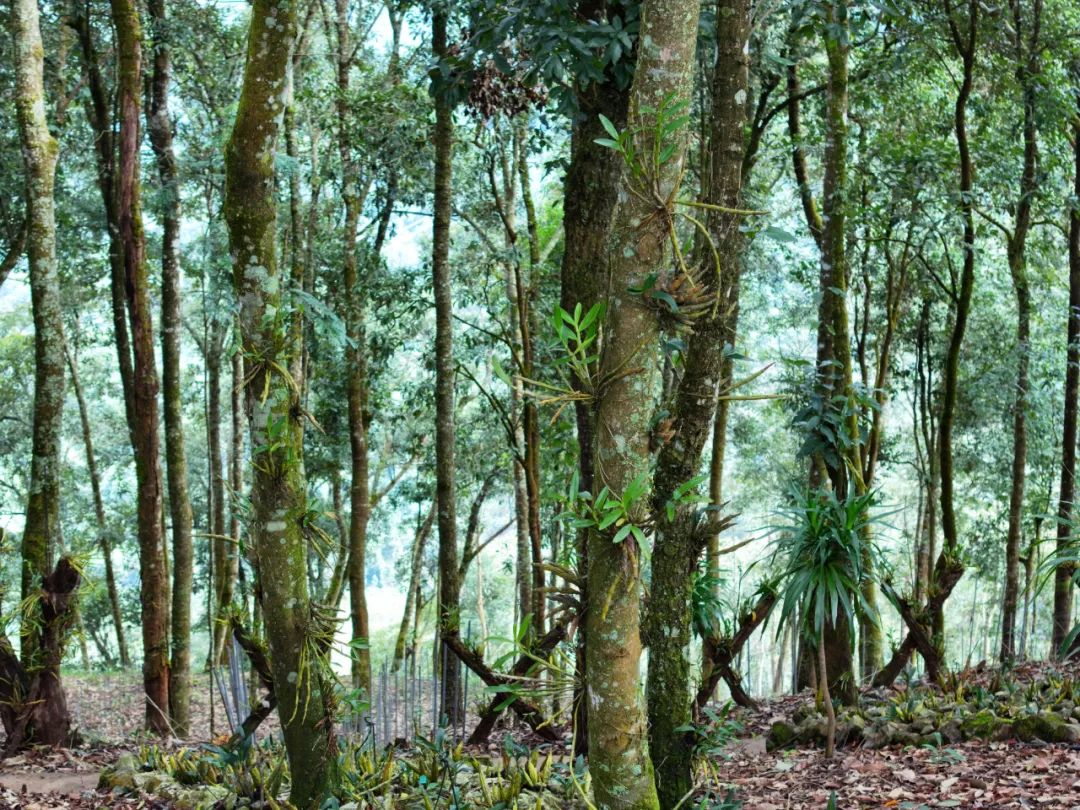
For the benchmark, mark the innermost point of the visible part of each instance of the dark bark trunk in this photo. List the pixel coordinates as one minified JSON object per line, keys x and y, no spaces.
{"x":590,"y":191}
{"x":449,"y":584}
{"x":159,"y":127}
{"x":143,"y":423}
{"x":680,"y":541}
{"x":1063,"y":575}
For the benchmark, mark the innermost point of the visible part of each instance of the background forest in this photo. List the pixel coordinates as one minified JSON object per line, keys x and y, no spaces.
{"x":609,"y":367}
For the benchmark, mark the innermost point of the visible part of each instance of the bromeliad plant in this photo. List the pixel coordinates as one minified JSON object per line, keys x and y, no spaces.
{"x":825,"y":550}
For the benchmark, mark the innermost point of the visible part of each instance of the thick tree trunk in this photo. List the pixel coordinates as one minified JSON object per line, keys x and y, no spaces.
{"x":295,"y":629}
{"x":143,"y":425}
{"x":41,"y":532}
{"x":449,"y":584}
{"x":160,"y":130}
{"x":680,"y":541}
{"x":590,"y":191}
{"x":32,"y":700}
{"x":618,"y":754}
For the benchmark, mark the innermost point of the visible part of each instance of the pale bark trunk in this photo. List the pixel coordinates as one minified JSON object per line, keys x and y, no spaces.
{"x":618,"y":753}
{"x":41,"y":532}
{"x":295,"y":630}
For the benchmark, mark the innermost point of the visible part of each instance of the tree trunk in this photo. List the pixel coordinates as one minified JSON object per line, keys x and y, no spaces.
{"x":160,"y":130}
{"x":412,"y":596}
{"x":32,"y":701}
{"x":965,"y":45}
{"x":356,"y":363}
{"x":590,"y":191}
{"x":144,"y":382}
{"x":104,"y":540}
{"x":221,"y":548}
{"x":680,"y":541}
{"x":295,"y":629}
{"x":1063,"y":575}
{"x":618,"y":756}
{"x":449,"y":584}
{"x":41,"y":532}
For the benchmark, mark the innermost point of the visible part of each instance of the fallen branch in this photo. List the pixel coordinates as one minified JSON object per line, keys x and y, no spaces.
{"x":521,"y":668}
{"x":261,"y":664}
{"x":722,"y":651}
{"x":947,"y":572}
{"x":521,"y":707}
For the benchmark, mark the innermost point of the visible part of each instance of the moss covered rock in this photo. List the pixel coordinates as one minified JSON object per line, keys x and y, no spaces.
{"x":781,"y":734}
{"x":1046,"y":726}
{"x":983,"y":725}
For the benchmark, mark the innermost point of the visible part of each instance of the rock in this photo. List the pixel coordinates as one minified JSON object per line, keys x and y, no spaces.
{"x":950,"y":732}
{"x":781,"y":734}
{"x":982,"y":725}
{"x":1046,"y":726}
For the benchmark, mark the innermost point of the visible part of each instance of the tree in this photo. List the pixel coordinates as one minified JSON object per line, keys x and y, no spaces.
{"x":297,"y":633}
{"x":142,"y":394}
{"x":639,"y":255}
{"x":159,"y":127}
{"x":445,"y":494}
{"x":1063,"y":574}
{"x":39,"y":151}
{"x":680,"y":539}
{"x":1026,"y":48}
{"x":41,"y":532}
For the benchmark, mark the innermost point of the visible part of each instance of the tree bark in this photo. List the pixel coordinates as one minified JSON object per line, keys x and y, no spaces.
{"x":590,"y":191}
{"x":144,"y":381}
{"x":618,"y":754}
{"x":32,"y":700}
{"x":295,"y":630}
{"x":965,"y":46}
{"x":679,"y":540}
{"x":41,"y":531}
{"x":449,"y":584}
{"x":1063,"y":575}
{"x":159,"y":127}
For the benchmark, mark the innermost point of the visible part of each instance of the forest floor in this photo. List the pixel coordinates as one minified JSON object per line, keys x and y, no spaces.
{"x":966,"y":774}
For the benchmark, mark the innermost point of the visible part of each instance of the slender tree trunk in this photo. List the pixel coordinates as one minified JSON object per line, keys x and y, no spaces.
{"x":41,"y":532}
{"x":220,"y":546}
{"x":144,"y":382}
{"x":1063,"y":575}
{"x":233,"y":569}
{"x":618,"y":754}
{"x":680,"y":540}
{"x":965,"y":45}
{"x":295,"y":630}
{"x":826,"y":699}
{"x":104,"y":540}
{"x":412,"y":595}
{"x":449,"y":584}
{"x":356,"y":362}
{"x":160,"y":130}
